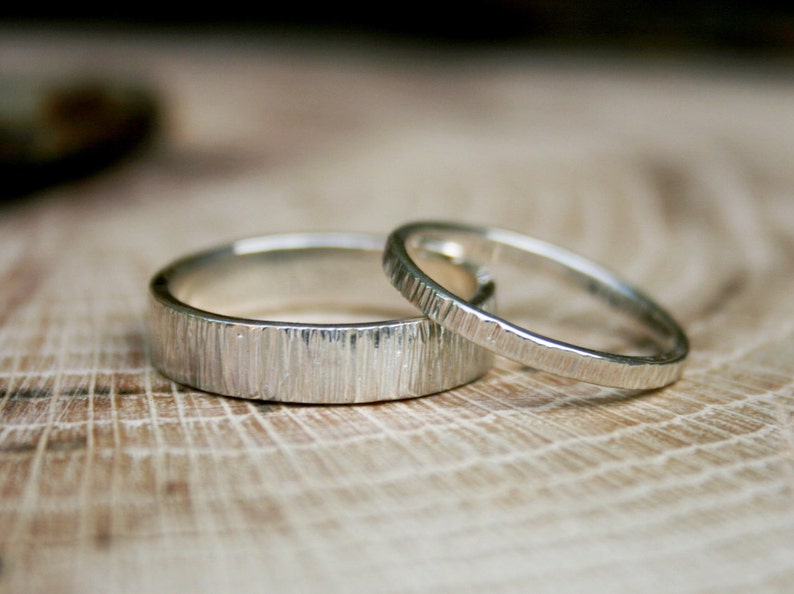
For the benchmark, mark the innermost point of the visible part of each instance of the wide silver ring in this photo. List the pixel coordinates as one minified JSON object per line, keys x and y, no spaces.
{"x":210,"y":330}
{"x":484,"y":245}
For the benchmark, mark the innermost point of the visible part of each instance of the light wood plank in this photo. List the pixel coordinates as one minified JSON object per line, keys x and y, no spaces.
{"x":112,"y":479}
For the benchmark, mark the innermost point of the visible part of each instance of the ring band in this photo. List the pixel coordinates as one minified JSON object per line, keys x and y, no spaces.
{"x":207,"y":327}
{"x":482,"y":245}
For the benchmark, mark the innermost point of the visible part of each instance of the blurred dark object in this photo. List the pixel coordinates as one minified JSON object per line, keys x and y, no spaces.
{"x":695,"y":24}
{"x":52,"y":132}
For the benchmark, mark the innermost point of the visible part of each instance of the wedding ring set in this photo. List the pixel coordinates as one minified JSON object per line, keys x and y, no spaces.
{"x":240,"y":319}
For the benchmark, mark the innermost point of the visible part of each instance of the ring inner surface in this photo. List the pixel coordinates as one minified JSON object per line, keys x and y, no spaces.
{"x":548,"y":298}
{"x":312,"y":285}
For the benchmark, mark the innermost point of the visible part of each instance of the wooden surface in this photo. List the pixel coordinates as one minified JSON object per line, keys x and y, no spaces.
{"x":676,"y":173}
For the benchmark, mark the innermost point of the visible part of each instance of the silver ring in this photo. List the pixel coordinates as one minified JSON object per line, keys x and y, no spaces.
{"x":209,"y":327}
{"x":481,"y":245}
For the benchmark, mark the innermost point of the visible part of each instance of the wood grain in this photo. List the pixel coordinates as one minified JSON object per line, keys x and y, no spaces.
{"x":677,"y":174}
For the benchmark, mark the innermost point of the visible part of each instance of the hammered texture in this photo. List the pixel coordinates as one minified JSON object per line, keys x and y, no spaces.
{"x":506,"y":339}
{"x":312,"y":364}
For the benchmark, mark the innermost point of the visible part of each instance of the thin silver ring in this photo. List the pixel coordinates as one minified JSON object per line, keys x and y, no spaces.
{"x":203,"y":333}
{"x":483,"y":244}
